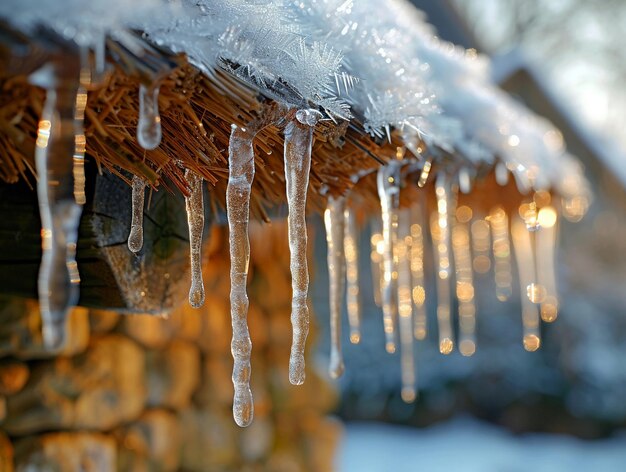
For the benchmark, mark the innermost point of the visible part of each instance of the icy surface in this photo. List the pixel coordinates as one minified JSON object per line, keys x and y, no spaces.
{"x":389,"y":69}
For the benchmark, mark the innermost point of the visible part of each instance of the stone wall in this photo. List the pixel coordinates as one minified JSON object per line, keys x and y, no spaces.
{"x":142,"y":393}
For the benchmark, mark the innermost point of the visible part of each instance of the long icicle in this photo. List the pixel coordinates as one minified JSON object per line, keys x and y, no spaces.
{"x":241,"y":174}
{"x":135,"y":237}
{"x":80,"y":142}
{"x":464,"y":280}
{"x":60,"y":213}
{"x":522,"y":245}
{"x":418,"y":292}
{"x":499,"y":222}
{"x":440,"y":229}
{"x":194,"y":205}
{"x":546,"y":242}
{"x":405,"y":307}
{"x":351,"y":248}
{"x":389,"y":193}
{"x":376,"y":259}
{"x":335,"y":227}
{"x":298,"y":144}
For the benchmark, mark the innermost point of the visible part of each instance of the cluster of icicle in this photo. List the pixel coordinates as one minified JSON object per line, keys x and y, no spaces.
{"x":464,"y":244}
{"x":338,"y":57}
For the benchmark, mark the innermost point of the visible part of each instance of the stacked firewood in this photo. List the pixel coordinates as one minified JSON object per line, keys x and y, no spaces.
{"x":143,"y":393}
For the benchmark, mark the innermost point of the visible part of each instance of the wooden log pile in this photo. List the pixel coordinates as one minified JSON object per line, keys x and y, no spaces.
{"x":143,"y":393}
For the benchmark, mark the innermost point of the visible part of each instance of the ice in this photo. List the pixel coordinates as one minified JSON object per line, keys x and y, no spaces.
{"x":60,"y":213}
{"x":524,"y":257}
{"x":241,"y":174}
{"x":545,"y":247}
{"x":195,"y":218}
{"x":135,"y":237}
{"x":334,"y":221}
{"x":440,"y":229}
{"x":405,"y":306}
{"x":351,"y":249}
{"x":389,"y":194}
{"x":418,"y":291}
{"x":149,"y":125}
{"x":499,"y":222}
{"x":464,"y":281}
{"x":298,"y":144}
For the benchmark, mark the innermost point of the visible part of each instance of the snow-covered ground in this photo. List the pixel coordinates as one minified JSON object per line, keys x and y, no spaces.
{"x":467,"y":445}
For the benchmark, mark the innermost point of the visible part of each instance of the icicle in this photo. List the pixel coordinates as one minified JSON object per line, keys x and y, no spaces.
{"x":376,"y":258}
{"x":80,"y":141}
{"x":334,"y":222}
{"x":417,"y":272}
{"x":481,"y":246}
{"x":528,"y":212}
{"x":389,"y":193}
{"x":149,"y":125}
{"x":135,"y":237}
{"x":351,"y":249}
{"x":502,"y":174}
{"x":526,"y":267}
{"x":441,"y":239}
{"x":241,"y":174}
{"x":499,"y":223}
{"x":423,"y":178}
{"x":195,"y":219}
{"x":465,"y":180}
{"x":546,"y":242}
{"x":298,"y":144}
{"x":464,"y":280}
{"x":405,"y":307}
{"x":60,"y":214}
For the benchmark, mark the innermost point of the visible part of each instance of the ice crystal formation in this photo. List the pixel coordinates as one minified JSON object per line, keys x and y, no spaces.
{"x":337,"y":71}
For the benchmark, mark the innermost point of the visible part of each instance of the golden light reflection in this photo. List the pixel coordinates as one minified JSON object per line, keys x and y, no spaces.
{"x":481,"y":246}
{"x":351,"y":252}
{"x":405,"y":307}
{"x":499,"y":223}
{"x":417,"y":272}
{"x":526,"y":268}
{"x":464,"y":284}
{"x":441,"y":241}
